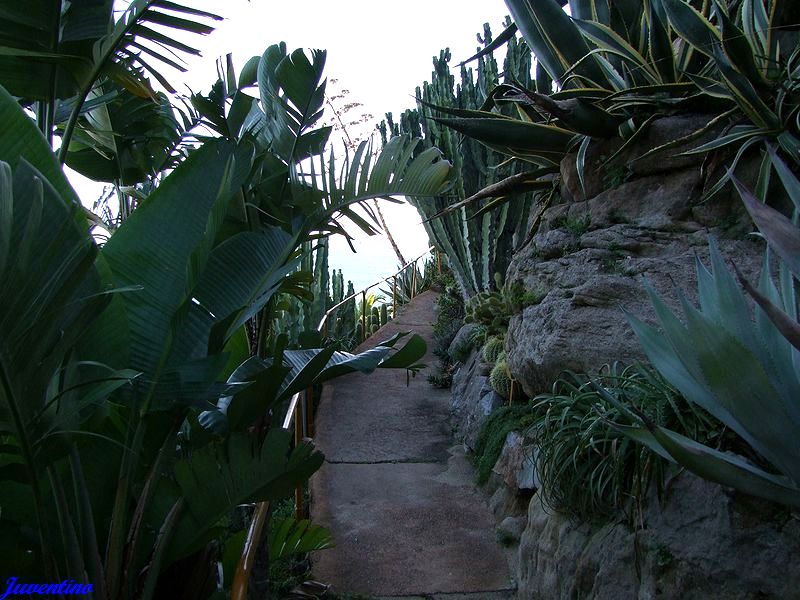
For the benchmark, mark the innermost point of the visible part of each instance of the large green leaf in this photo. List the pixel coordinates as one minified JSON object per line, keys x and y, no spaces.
{"x":761,"y":404}
{"x":555,"y":40}
{"x":216,"y":478}
{"x":164,"y":247}
{"x":512,"y":137}
{"x":21,"y":139}
{"x":290,"y":537}
{"x":713,"y":465}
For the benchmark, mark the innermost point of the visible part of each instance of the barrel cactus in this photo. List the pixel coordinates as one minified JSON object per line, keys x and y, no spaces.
{"x":500,"y":379}
{"x":493,"y":349}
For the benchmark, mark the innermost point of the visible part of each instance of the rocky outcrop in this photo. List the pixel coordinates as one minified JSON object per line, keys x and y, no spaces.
{"x":591,"y":256}
{"x":700,"y":542}
{"x":473,"y":399}
{"x":589,"y":259}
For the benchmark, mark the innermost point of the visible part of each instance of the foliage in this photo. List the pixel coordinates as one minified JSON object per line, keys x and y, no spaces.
{"x":494,"y":310}
{"x":493,"y":435}
{"x":588,"y":468}
{"x":449,"y":319}
{"x":760,"y":404}
{"x":617,"y":69}
{"x":113,"y":357}
{"x":477,"y":243}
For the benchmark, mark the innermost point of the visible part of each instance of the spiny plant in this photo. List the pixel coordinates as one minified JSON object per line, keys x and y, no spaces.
{"x":500,"y":377}
{"x":477,"y":242}
{"x":493,"y":310}
{"x":591,"y":470}
{"x":492,"y":349}
{"x":616,"y":69}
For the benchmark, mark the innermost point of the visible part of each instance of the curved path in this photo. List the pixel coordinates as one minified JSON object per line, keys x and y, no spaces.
{"x":396,"y":493}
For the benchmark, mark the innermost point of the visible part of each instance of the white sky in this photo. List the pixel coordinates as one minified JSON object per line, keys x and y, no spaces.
{"x":379,"y":51}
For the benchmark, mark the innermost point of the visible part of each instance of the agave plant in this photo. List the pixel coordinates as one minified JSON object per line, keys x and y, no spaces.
{"x":619,"y":66}
{"x":761,"y":402}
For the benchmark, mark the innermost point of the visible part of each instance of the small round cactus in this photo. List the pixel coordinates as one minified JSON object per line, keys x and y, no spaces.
{"x":492,"y":349}
{"x":500,"y":380}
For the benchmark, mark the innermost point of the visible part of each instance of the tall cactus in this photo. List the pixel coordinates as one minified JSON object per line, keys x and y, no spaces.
{"x":476,"y":248}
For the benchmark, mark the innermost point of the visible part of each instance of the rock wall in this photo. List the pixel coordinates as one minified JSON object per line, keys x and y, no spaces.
{"x":590,"y":257}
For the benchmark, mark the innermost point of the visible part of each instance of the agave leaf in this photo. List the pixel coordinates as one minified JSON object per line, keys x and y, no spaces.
{"x":780,"y":233}
{"x":607,"y":39}
{"x":554,"y":39}
{"x":789,"y":180}
{"x":512,"y":185}
{"x":692,"y":26}
{"x":533,"y":139}
{"x":719,"y":467}
{"x":738,"y":49}
{"x":501,"y":39}
{"x":789,"y":328}
{"x":745,"y":94}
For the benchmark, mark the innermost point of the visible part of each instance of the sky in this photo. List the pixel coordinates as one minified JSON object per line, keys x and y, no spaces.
{"x":379,"y":51}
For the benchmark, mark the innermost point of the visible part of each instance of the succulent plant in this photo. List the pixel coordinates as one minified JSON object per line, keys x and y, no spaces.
{"x":493,"y":349}
{"x":500,"y":379}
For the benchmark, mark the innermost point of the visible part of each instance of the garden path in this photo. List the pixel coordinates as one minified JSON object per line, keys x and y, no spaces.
{"x":397,"y":494}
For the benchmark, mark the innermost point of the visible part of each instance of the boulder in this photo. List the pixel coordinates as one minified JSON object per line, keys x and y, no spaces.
{"x":700,"y":542}
{"x":592,"y":257}
{"x":473,"y":400}
{"x":516,"y":465}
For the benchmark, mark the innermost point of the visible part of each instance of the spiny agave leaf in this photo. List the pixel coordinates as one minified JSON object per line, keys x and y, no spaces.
{"x":608,"y":39}
{"x":501,"y":39}
{"x":745,"y":94}
{"x":464,"y":112}
{"x":719,"y":467}
{"x":554,"y":39}
{"x":790,"y":181}
{"x":692,"y":26}
{"x":515,"y":184}
{"x":738,"y":49}
{"x":789,"y":328}
{"x":578,"y":114}
{"x":780,"y":233}
{"x":547,"y":141}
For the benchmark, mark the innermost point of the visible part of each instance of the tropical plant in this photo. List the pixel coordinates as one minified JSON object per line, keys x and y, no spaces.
{"x":618,"y":68}
{"x":761,"y":403}
{"x":140,"y":346}
{"x":587,"y":467}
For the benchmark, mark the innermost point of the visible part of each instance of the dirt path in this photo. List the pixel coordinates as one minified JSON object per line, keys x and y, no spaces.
{"x":396,"y":492}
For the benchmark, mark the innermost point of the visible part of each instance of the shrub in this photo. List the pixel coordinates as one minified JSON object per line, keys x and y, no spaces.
{"x":493,"y":435}
{"x":588,"y":467}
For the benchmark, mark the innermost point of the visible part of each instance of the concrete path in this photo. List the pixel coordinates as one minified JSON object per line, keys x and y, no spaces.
{"x":395,"y":491}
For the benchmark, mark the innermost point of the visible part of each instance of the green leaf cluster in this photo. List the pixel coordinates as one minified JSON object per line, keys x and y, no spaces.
{"x":141,"y":381}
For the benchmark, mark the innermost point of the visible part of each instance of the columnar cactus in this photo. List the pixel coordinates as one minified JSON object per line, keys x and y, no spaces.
{"x":475,"y":247}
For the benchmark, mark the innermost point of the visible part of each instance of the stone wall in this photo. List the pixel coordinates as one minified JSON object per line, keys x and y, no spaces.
{"x":590,"y":257}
